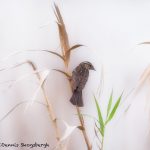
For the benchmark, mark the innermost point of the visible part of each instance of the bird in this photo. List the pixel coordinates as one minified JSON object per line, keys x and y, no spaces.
{"x":78,"y":81}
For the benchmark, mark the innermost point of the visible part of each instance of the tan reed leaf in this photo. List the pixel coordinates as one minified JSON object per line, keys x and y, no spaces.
{"x":63,"y":36}
{"x":144,"y":43}
{"x":65,"y":73}
{"x":30,"y":50}
{"x":145,"y":75}
{"x":74,"y":47}
{"x":16,"y":106}
{"x":57,"y":55}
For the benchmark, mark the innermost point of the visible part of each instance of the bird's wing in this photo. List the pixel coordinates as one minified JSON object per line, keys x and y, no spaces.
{"x":75,"y":80}
{"x":83,"y":79}
{"x":79,"y":78}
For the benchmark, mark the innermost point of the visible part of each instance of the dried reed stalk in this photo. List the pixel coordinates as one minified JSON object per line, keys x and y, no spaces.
{"x":49,"y":106}
{"x":66,"y":53}
{"x":51,"y":113}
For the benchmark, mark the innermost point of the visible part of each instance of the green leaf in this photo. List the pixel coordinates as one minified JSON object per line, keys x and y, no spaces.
{"x":109,"y":104}
{"x":100,"y":118}
{"x":114,"y":109}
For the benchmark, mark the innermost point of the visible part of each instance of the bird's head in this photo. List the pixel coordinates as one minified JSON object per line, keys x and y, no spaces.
{"x":88,"y":65}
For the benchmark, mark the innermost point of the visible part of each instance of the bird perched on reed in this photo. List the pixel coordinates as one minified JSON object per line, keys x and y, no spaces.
{"x":78,"y":80}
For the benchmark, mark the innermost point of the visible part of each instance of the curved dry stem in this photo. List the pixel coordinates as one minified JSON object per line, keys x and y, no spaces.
{"x":64,"y":73}
{"x":24,"y":51}
{"x":57,"y":55}
{"x":17,"y":105}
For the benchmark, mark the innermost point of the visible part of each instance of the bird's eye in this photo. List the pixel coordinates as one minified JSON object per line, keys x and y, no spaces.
{"x":89,"y":66}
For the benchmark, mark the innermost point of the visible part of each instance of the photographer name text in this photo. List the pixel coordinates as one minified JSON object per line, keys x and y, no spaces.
{"x":23,"y":145}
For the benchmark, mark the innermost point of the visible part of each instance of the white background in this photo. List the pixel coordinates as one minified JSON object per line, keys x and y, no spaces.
{"x":110,"y":31}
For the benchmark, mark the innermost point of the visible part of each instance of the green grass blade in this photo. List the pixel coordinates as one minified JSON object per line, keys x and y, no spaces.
{"x":114,"y":109}
{"x":109,"y":104}
{"x":100,"y":118}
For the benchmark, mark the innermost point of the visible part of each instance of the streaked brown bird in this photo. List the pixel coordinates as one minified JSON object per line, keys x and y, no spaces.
{"x":78,"y":80}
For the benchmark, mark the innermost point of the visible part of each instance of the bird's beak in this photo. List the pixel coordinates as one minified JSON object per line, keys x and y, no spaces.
{"x":93,"y":68}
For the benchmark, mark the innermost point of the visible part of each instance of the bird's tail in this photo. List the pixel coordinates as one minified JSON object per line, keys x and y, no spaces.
{"x":76,"y":98}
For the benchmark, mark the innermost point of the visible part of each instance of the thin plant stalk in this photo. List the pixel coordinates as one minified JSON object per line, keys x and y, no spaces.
{"x":66,"y":53}
{"x":102,"y":144}
{"x":49,"y":106}
{"x":51,"y":113}
{"x":83,"y":129}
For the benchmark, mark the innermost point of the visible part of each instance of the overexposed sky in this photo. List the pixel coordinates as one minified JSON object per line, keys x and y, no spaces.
{"x":111,"y":32}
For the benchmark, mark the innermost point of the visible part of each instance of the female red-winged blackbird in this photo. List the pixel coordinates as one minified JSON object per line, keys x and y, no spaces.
{"x":78,"y":80}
